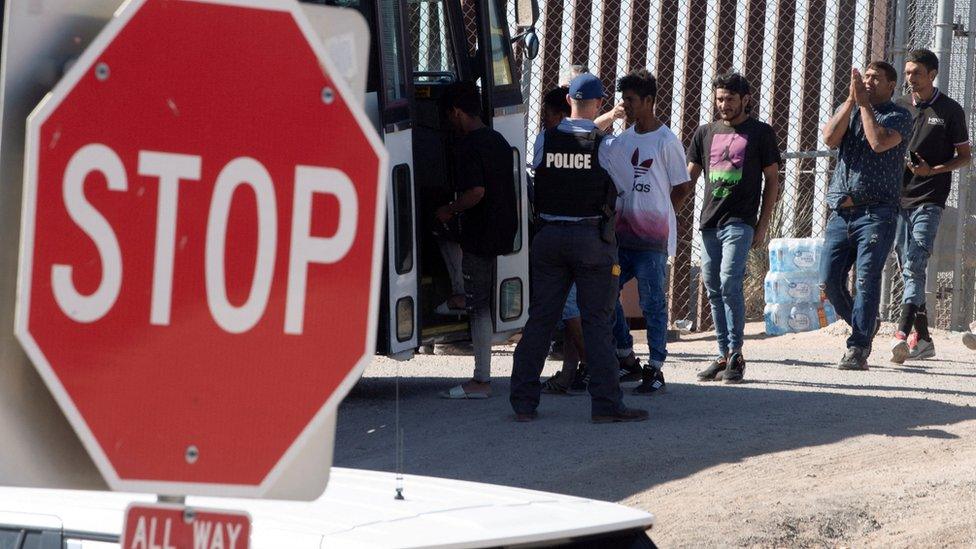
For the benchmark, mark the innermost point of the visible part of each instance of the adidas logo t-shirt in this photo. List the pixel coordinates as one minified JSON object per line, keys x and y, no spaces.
{"x":646,"y":166}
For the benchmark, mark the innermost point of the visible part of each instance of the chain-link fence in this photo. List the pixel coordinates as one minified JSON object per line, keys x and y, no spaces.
{"x":949,"y":290}
{"x":797,"y":55}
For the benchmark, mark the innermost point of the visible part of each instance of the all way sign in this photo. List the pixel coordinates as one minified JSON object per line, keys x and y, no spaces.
{"x":175,"y":527}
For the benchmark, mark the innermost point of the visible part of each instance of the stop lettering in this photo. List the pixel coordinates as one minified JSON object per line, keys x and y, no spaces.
{"x":170,"y":169}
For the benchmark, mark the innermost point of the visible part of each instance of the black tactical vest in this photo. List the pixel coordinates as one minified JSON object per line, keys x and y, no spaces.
{"x":569,"y":180}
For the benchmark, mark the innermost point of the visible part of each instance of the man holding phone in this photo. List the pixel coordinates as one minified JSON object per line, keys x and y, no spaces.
{"x":939,"y":145}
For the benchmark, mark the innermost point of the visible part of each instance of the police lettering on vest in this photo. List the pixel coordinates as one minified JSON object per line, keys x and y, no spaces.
{"x":570,"y":181}
{"x":569,"y":160}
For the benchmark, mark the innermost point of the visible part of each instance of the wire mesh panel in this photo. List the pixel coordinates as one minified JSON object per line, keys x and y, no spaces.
{"x":797,"y":55}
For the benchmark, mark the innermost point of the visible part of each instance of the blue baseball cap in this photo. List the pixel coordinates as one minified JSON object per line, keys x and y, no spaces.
{"x":586,"y":86}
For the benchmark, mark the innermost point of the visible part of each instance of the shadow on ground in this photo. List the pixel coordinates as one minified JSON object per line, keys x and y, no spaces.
{"x":692,"y":427}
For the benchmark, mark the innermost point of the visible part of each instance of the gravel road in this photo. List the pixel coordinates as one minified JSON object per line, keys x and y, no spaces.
{"x":801,"y":455}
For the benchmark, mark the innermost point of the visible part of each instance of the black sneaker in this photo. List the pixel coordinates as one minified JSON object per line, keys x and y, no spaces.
{"x":855,"y":358}
{"x":715,"y":370}
{"x":652,"y":382}
{"x":554,"y":385}
{"x":630,"y":368}
{"x":736,"y":369}
{"x":580,"y":380}
{"x":622,"y":416}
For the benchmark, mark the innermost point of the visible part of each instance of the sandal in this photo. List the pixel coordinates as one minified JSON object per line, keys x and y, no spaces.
{"x":458,"y":393}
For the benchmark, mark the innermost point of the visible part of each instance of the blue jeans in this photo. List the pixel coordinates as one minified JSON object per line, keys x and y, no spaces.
{"x":860,"y":238}
{"x":724,"y":254}
{"x":915,"y":239}
{"x":650,"y":269}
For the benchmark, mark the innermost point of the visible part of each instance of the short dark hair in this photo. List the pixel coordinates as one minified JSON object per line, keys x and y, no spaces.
{"x":925,"y":57}
{"x":641,"y":82}
{"x":732,"y":82}
{"x":555,"y":100}
{"x":890,"y":73}
{"x":463,"y":95}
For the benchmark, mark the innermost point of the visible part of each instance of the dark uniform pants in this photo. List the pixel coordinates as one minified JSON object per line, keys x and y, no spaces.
{"x":562,"y":254}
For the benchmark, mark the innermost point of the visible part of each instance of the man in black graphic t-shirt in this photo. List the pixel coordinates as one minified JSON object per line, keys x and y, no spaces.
{"x":735,"y":154}
{"x":939,"y":145}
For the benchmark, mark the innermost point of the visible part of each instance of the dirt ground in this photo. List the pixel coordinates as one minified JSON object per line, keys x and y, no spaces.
{"x":803,"y":455}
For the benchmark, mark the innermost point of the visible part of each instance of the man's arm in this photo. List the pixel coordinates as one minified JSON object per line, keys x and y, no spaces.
{"x":694,"y":171}
{"x":676,"y":166}
{"x":879,"y":137}
{"x":605,"y":120}
{"x":680,"y":193}
{"x":769,"y":197}
{"x":835,"y":128}
{"x":964,"y":156}
{"x":468,"y":199}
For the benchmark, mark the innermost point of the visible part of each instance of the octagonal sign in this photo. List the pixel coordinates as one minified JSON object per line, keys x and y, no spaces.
{"x":201,"y":240}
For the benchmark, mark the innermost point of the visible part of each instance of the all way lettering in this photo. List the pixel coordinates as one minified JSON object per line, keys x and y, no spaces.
{"x":210,"y":534}
{"x":172,"y":171}
{"x":171,"y":527}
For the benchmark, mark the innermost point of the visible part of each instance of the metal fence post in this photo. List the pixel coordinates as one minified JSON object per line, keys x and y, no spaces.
{"x":680,"y":294}
{"x":898,"y":50}
{"x":898,"y":46}
{"x":961,"y":295}
{"x":806,"y":179}
{"x":942,"y":46}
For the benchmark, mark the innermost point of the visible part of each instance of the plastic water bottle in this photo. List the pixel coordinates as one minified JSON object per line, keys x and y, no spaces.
{"x":795,"y":287}
{"x":804,"y":254}
{"x":784,"y":261}
{"x":803,"y":318}
{"x":776,"y":254}
{"x":777,"y":319}
{"x":771,"y":286}
{"x":803,"y":287}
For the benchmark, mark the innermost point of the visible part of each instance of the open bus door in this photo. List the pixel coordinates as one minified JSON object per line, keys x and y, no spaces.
{"x":399,"y":335}
{"x":468,"y":40}
{"x":418,"y":49}
{"x":503,"y":102}
{"x":388,"y":105}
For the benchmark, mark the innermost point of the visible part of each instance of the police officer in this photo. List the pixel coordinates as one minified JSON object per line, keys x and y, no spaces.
{"x":572,"y":194}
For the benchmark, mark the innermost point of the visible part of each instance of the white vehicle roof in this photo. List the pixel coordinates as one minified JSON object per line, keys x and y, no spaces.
{"x":358,"y":510}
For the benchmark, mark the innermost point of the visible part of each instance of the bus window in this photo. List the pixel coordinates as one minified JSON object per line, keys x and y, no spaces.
{"x":430,"y":34}
{"x":500,"y":48}
{"x":394,"y":79}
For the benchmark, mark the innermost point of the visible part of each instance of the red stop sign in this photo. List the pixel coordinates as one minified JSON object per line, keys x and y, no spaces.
{"x":201,"y":243}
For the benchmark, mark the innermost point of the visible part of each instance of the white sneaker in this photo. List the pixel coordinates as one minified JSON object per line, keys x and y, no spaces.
{"x":922,"y":349}
{"x":969,"y":340}
{"x":899,"y":350}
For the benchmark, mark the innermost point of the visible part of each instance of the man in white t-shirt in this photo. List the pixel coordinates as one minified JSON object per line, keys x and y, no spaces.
{"x":648,"y":161}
